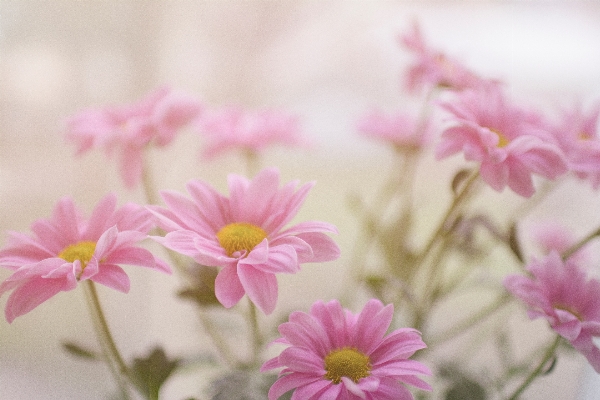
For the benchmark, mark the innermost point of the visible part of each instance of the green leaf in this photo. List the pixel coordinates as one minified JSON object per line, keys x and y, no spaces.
{"x":151,"y":372}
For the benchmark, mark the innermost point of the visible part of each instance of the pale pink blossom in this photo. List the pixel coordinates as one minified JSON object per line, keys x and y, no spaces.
{"x":577,"y":134}
{"x":334,"y":354}
{"x":235,"y":128}
{"x":561,"y":292}
{"x":129,"y":129}
{"x":552,"y":236}
{"x":509,"y":142}
{"x":433,"y":68}
{"x":68,"y":248}
{"x":244,"y":234}
{"x":402,"y":130}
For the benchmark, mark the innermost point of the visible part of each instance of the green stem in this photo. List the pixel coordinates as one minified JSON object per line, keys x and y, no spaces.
{"x":111,"y":353}
{"x":573,"y":249}
{"x":218,"y":340}
{"x":257,"y":339}
{"x":536,"y":372}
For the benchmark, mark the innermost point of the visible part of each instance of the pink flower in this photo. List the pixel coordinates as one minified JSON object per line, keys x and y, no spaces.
{"x":334,"y":355}
{"x":577,"y":134}
{"x":400,"y":129}
{"x":253,"y":131}
{"x":130,"y":129}
{"x":433,"y":68}
{"x":561,"y":293}
{"x":552,"y":236}
{"x":244,"y":234}
{"x":66,"y":249}
{"x":510,"y":143}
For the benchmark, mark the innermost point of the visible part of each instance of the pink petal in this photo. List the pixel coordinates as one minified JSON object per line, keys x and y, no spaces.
{"x":289,"y":382}
{"x":261,"y":287}
{"x":112,"y":276}
{"x":228,"y":288}
{"x":31,"y":294}
{"x":97,"y":222}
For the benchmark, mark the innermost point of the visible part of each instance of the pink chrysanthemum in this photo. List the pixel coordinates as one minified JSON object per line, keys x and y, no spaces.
{"x":577,"y":134}
{"x":400,"y":129}
{"x":66,"y":249}
{"x":561,"y":292}
{"x":334,"y":355}
{"x":130,"y":129}
{"x":251,"y":131}
{"x":510,"y":143}
{"x":244,"y":234}
{"x":433,"y":68}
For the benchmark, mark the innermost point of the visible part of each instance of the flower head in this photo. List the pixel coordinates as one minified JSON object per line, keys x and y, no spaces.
{"x":400,"y":129}
{"x":433,"y":68}
{"x":130,"y":129}
{"x":334,"y":354}
{"x":244,"y":234}
{"x":561,"y":292}
{"x":67,"y":249}
{"x":510,"y":143}
{"x":577,"y":134}
{"x":236,"y":128}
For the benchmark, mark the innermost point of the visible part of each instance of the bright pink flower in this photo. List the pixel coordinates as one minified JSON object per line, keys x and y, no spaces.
{"x":401,"y":130}
{"x":130,"y":129}
{"x":244,"y":234}
{"x":510,"y":143}
{"x":236,"y":128}
{"x":577,"y":134}
{"x":561,"y":293}
{"x":336,"y":355}
{"x":67,"y":248}
{"x":433,"y":68}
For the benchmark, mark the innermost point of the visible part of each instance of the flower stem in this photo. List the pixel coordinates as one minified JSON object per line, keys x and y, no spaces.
{"x":109,"y":348}
{"x":538,"y":370}
{"x":573,"y":249}
{"x":257,"y":339}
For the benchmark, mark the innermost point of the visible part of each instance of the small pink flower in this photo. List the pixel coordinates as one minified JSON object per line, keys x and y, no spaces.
{"x":577,"y":134}
{"x":433,"y":68}
{"x":130,"y":129}
{"x":336,"y":355}
{"x":552,"y":236}
{"x":236,"y":128}
{"x":510,"y":143}
{"x":244,"y":234}
{"x":66,"y":249}
{"x":561,"y":292}
{"x":400,"y":129}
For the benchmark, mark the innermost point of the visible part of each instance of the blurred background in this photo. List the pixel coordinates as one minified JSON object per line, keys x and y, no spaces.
{"x":327,"y":61}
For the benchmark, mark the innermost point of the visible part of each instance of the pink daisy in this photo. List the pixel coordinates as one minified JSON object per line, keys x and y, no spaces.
{"x":245,"y":234}
{"x":67,"y":248}
{"x":236,"y":128}
{"x":334,"y":355}
{"x":577,"y":134}
{"x":400,"y":129}
{"x":561,"y":292}
{"x":510,"y":143}
{"x":433,"y":68}
{"x":130,"y":129}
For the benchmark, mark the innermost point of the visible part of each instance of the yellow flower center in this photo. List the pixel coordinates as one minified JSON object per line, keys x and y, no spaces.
{"x":502,"y":140}
{"x":239,"y":236}
{"x":585,"y":136}
{"x":346,"y":362}
{"x":82,"y":251}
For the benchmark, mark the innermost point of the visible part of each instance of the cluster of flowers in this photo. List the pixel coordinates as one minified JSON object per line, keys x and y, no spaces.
{"x":331,"y":353}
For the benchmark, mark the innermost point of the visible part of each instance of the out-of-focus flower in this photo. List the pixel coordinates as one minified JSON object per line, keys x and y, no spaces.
{"x":433,"y":68}
{"x":334,"y":354}
{"x":577,"y":134}
{"x":510,"y":143}
{"x":67,"y":248}
{"x":552,"y":236}
{"x":244,"y":234}
{"x":129,"y":129}
{"x":251,"y":131}
{"x":401,"y":130}
{"x":561,"y":292}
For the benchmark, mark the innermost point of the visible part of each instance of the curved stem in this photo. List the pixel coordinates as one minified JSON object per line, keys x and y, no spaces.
{"x":257,"y":339}
{"x":538,"y":370}
{"x":218,"y":340}
{"x":573,"y":249}
{"x":109,"y":348}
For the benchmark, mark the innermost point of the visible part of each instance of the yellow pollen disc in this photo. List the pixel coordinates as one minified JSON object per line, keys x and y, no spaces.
{"x":346,"y":362}
{"x":240,"y":236}
{"x":82,"y":251}
{"x":584,"y":136}
{"x":502,"y":140}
